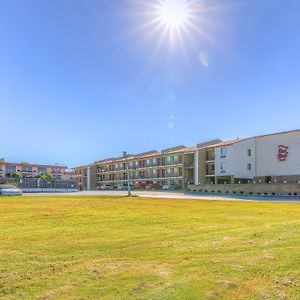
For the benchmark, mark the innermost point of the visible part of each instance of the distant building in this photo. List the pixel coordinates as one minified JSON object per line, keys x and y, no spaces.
{"x":271,"y":158}
{"x":26,"y":170}
{"x":26,"y":176}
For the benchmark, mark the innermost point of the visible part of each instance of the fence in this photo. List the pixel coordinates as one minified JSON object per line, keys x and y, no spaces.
{"x":41,"y":185}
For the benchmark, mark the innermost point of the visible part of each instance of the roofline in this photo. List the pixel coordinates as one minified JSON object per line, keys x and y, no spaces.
{"x":277,"y":133}
{"x":31,"y":165}
{"x":182,"y":150}
{"x":249,"y":138}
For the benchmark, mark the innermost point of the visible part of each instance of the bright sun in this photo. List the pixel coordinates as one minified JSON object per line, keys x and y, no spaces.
{"x":174,"y":13}
{"x":176,"y":21}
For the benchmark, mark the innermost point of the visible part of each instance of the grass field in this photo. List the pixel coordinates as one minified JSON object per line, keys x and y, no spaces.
{"x":135,"y":248}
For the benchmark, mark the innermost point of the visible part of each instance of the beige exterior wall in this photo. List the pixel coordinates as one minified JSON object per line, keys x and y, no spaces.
{"x":81,"y":177}
{"x":236,"y":159}
{"x":267,"y":152}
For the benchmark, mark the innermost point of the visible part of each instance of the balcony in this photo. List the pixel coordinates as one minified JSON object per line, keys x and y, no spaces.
{"x":189,"y":165}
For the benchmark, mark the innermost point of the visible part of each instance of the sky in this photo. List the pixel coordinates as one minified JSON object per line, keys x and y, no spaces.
{"x":83,"y":80}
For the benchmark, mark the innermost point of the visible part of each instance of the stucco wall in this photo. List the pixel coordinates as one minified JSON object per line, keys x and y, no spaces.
{"x":267,"y":151}
{"x":237,"y":160}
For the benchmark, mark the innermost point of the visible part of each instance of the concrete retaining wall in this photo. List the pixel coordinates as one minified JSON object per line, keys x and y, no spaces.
{"x":248,"y":189}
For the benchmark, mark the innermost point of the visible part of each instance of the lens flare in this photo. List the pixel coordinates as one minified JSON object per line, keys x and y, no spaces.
{"x":174,"y":13}
{"x":177,"y":26}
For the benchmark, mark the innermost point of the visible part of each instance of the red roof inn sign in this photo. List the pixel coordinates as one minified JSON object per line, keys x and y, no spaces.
{"x":282,"y":152}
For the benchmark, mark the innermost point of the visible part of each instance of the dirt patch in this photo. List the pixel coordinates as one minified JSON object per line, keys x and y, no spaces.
{"x":55,"y":293}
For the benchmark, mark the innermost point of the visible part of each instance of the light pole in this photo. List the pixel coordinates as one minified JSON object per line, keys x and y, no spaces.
{"x":127,"y":169}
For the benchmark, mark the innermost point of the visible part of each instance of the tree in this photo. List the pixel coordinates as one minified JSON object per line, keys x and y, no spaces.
{"x":48,"y":177}
{"x":16,"y":176}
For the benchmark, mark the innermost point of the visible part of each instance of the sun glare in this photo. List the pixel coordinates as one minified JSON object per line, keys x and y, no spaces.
{"x":177,"y":24}
{"x":173,"y":13}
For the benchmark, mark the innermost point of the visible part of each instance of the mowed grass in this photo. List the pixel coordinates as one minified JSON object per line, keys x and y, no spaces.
{"x":136,"y":248}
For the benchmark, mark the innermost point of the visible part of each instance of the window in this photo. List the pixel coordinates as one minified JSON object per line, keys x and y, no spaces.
{"x":172,"y":160}
{"x":249,"y":152}
{"x":56,"y":170}
{"x":223,"y":166}
{"x":10,"y":170}
{"x":42,"y":170}
{"x":26,"y":169}
{"x":249,"y":167}
{"x":223,"y":151}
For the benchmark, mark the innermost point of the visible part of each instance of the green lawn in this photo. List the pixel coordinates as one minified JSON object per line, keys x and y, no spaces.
{"x":135,"y":248}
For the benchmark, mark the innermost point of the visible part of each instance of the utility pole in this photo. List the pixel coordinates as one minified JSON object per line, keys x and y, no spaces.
{"x":127,"y":169}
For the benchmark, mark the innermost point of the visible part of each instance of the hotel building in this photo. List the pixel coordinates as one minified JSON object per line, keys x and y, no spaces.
{"x":272,"y":158}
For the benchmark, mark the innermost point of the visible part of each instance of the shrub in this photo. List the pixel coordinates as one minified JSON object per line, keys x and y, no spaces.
{"x":227,"y":192}
{"x":205,"y":191}
{"x":219,"y":192}
{"x":241,"y":192}
{"x":250,"y":193}
{"x":295,"y":194}
{"x":234,"y":192}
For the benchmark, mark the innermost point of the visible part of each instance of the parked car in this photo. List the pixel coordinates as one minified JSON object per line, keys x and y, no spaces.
{"x":106,"y":187}
{"x":122,"y":187}
{"x":9,"y":190}
{"x":170,"y":187}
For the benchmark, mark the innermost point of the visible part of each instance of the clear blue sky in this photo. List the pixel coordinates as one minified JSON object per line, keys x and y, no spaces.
{"x":80,"y":80}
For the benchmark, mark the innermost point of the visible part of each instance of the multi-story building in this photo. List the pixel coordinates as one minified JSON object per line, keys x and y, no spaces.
{"x":26,"y":170}
{"x":272,"y":158}
{"x":86,"y":177}
{"x":173,"y":167}
{"x":153,"y":168}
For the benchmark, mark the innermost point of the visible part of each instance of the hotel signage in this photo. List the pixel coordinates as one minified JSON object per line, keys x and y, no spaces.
{"x":282,"y":152}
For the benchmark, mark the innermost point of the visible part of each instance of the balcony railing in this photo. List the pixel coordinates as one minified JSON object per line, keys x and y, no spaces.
{"x":142,"y":177}
{"x":166,"y":164}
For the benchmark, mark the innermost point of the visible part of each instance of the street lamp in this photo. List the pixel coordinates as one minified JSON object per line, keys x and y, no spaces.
{"x":127,"y":169}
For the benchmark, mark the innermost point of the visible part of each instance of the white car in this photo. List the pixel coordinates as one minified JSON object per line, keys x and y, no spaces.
{"x":169,"y":187}
{"x":121,"y":187}
{"x":166,"y":187}
{"x":106,"y":187}
{"x":9,"y":190}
